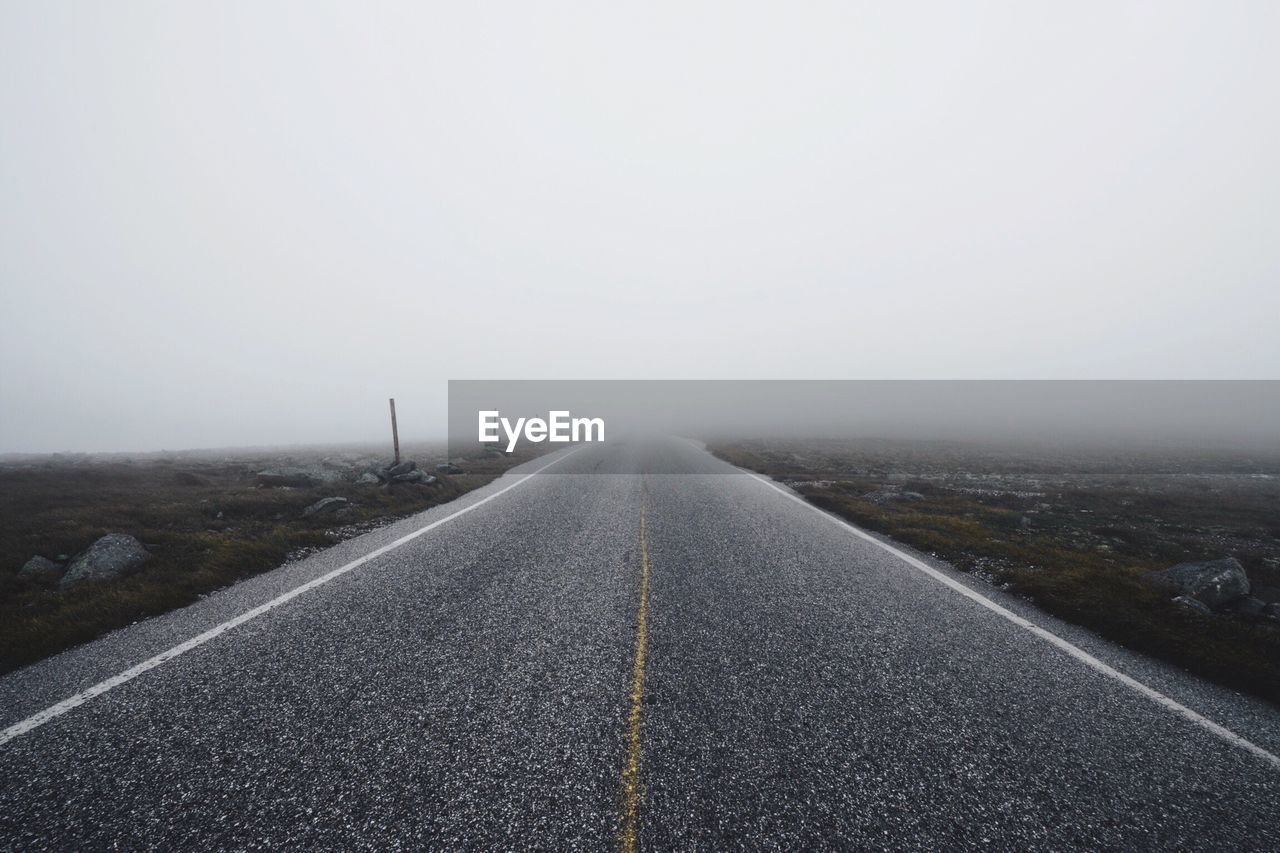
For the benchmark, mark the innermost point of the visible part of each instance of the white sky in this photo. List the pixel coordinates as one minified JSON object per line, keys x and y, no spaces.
{"x":250,"y":223}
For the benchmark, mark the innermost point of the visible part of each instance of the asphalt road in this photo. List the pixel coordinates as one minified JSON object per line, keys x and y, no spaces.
{"x":548,"y":671}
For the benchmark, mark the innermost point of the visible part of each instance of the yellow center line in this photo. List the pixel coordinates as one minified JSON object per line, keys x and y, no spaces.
{"x":631,"y":768}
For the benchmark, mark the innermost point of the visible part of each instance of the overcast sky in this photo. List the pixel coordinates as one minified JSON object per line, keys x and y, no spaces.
{"x":250,"y":223}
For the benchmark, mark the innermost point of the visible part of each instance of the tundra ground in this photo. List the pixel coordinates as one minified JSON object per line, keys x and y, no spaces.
{"x":203,"y":515}
{"x":1073,"y":530}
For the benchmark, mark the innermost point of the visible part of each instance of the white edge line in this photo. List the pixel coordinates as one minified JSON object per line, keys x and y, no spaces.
{"x":39,"y":719}
{"x":1071,"y":649}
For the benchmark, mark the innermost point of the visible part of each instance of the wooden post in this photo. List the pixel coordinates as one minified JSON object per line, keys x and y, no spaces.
{"x":395,"y":433}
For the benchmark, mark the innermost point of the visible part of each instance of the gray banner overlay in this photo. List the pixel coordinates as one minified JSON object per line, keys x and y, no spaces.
{"x":1133,"y":415}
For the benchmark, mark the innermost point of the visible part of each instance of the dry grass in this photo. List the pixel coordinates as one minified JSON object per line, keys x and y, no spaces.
{"x":206,"y":522}
{"x":1081,"y":559}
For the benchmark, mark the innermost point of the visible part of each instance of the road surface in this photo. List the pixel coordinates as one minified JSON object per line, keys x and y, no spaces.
{"x":637,"y":646}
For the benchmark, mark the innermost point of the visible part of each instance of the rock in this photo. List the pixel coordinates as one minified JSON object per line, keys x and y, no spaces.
{"x":1272,"y":611}
{"x":1214,"y":583}
{"x":449,"y":468}
{"x":418,"y":476}
{"x":368,"y":478}
{"x":405,"y":472}
{"x":326,"y":505}
{"x":40,"y":570}
{"x":188,"y":478}
{"x":295,"y":477}
{"x":401,"y":469}
{"x":114,"y":555}
{"x":1192,"y":604}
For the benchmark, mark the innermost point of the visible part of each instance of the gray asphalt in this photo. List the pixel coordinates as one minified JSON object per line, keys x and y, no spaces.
{"x":470,"y":689}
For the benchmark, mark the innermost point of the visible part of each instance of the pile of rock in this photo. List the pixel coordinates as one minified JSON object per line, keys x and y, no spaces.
{"x":113,"y":556}
{"x":1213,"y":586}
{"x":405,"y":472}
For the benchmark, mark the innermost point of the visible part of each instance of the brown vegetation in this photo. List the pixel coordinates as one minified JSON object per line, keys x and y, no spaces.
{"x":203,"y":517}
{"x":1073,"y":532}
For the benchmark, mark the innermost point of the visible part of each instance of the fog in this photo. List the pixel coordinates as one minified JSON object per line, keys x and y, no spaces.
{"x":1158,"y":415}
{"x":251,"y":223}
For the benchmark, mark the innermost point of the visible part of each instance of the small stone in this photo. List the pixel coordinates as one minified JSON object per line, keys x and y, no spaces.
{"x":40,"y":570}
{"x":1193,"y":604}
{"x":419,"y":476}
{"x":325,"y":505}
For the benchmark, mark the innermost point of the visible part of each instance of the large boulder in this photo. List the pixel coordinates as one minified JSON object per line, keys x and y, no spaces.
{"x":114,"y":555}
{"x":1214,"y":583}
{"x":40,"y":570}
